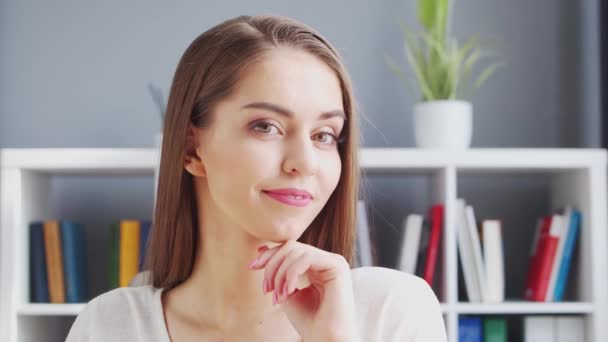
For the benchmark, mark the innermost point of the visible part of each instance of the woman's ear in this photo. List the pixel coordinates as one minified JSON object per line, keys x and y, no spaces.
{"x":192,"y":160}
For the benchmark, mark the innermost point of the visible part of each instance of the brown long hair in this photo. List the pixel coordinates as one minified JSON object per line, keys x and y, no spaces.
{"x":208,"y":72}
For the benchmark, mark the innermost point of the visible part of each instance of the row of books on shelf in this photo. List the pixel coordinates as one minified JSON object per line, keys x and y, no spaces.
{"x":551,"y":254}
{"x":481,"y":251}
{"x":58,"y":258}
{"x":565,"y":328}
{"x":420,"y":249}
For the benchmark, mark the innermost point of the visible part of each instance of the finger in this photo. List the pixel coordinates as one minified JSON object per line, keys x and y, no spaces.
{"x":293,"y":274}
{"x":279,"y":278}
{"x":272,"y":265}
{"x":264,"y":254}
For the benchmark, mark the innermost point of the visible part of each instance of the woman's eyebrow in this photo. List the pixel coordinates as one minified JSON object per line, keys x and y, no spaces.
{"x":286,"y":112}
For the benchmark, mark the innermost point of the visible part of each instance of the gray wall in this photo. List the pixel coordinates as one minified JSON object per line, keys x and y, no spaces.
{"x":74,"y":74}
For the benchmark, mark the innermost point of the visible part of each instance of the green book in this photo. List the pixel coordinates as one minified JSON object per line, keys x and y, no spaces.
{"x":495,"y":330}
{"x":114,"y":254}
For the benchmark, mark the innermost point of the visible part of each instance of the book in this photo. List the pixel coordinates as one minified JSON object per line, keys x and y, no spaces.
{"x":129,"y":251}
{"x":54,"y":261}
{"x":469,"y":329}
{"x":569,"y":328}
{"x":74,"y":261}
{"x":547,"y":258}
{"x":39,"y":290}
{"x":539,"y":328}
{"x":495,"y":330}
{"x":424,"y":245}
{"x":465,"y":251}
{"x":436,"y":217}
{"x":363,"y":238}
{"x":408,"y":256}
{"x":479,"y":269}
{"x":559,"y":252}
{"x":571,"y":239}
{"x":143,"y":242}
{"x":542,"y":229}
{"x":494,"y":260}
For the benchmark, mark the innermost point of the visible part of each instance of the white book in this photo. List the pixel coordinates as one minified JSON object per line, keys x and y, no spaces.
{"x":539,"y":329}
{"x":408,"y":257}
{"x":465,"y":251}
{"x":363,"y":239}
{"x":557,"y":261}
{"x":477,"y":256}
{"x":494,"y":260}
{"x":570,"y":328}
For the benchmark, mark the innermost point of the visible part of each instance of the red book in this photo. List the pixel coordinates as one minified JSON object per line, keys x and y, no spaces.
{"x":545,"y":263}
{"x":542,"y":231}
{"x":436,"y":214}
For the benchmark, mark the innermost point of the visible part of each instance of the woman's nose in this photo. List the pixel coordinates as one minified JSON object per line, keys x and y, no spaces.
{"x":301,"y":157}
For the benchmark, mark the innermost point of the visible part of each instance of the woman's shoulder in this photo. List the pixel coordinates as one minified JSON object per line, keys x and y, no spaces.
{"x":396,"y":306}
{"x":117,"y":314}
{"x":382,"y":281}
{"x":132,"y":297}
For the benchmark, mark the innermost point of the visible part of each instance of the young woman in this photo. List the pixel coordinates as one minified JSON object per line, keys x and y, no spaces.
{"x":254,"y":222}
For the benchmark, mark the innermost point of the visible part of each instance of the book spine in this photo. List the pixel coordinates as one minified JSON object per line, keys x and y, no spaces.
{"x":546,"y":260}
{"x":129,"y":251}
{"x":436,"y":215}
{"x":542,"y":230}
{"x":38,"y":275}
{"x":54,"y":262}
{"x":70,"y":257}
{"x":564,"y":269}
{"x":143,"y":242}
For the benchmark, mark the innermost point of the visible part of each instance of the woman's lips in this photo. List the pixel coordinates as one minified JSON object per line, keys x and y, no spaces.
{"x":289,"y":199}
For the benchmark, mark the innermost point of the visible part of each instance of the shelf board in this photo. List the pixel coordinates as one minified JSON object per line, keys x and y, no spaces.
{"x":50,"y":309}
{"x":522,"y":307}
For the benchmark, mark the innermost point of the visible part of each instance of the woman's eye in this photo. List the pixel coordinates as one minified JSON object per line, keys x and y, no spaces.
{"x":332,"y":138}
{"x":266,"y":127}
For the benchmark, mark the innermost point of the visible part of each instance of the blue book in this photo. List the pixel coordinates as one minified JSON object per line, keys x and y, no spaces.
{"x":74,"y":261}
{"x":39,"y":288}
{"x":143,"y":240}
{"x":469,"y":329}
{"x":569,"y":244}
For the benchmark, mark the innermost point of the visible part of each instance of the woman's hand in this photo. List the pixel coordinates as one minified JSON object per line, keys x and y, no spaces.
{"x":323,"y":311}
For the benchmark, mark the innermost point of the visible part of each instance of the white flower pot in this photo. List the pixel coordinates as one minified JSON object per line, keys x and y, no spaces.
{"x":443,"y":124}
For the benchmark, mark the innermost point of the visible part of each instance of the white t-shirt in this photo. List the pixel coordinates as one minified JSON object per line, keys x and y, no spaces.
{"x":391,"y":306}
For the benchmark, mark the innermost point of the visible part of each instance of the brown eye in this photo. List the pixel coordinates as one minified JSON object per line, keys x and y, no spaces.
{"x":264,"y":127}
{"x":332,"y":138}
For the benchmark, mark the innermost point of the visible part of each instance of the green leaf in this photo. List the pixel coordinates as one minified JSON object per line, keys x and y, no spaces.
{"x":392,"y":65}
{"x":432,"y":14}
{"x":487,"y":72}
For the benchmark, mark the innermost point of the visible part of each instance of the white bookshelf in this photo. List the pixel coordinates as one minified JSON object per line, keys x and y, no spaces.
{"x":577,"y":177}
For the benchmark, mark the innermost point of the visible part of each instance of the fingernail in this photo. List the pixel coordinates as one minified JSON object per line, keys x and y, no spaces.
{"x":253,"y":263}
{"x":265,"y":286}
{"x":262,"y":248}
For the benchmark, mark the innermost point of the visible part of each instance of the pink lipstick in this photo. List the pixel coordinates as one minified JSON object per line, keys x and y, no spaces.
{"x":290,"y":196}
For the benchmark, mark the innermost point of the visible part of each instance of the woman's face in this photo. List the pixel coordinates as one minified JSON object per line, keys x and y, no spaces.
{"x":271,"y":134}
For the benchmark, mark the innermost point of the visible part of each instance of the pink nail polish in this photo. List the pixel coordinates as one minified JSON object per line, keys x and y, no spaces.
{"x":253,"y":263}
{"x":262,"y":248}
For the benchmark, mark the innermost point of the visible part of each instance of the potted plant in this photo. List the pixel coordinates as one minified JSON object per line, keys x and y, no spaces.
{"x":443,"y":117}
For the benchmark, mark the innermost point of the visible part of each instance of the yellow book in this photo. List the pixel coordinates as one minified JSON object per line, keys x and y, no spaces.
{"x":54,"y":261}
{"x":129,"y":251}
